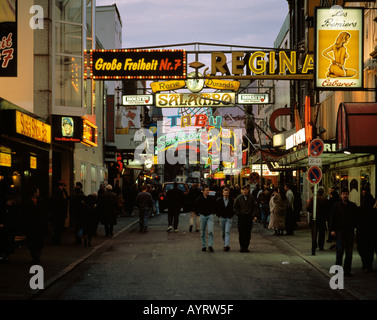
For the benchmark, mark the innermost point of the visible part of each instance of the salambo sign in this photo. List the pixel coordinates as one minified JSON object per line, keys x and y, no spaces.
{"x":32,"y":128}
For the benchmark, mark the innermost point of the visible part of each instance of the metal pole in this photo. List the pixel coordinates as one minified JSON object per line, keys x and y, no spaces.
{"x":314,"y":220}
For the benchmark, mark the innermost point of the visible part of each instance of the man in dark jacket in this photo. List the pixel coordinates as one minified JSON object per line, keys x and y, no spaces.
{"x":224,"y":210}
{"x":144,"y":202}
{"x":342,"y":225}
{"x":59,"y":210}
{"x":245,"y":207}
{"x":174,"y":199}
{"x":205,"y":206}
{"x":107,"y":206}
{"x":194,"y":193}
{"x":319,"y":225}
{"x":366,"y":231}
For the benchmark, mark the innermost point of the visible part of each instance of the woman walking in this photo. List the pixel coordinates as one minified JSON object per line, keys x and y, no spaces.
{"x":277,"y":210}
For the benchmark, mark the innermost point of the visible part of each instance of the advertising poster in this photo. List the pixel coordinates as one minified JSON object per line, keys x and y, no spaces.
{"x":8,"y":38}
{"x":339,"y":48}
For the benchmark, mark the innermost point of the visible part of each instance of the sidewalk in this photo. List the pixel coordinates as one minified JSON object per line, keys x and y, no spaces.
{"x":55,"y":260}
{"x":361,"y":285}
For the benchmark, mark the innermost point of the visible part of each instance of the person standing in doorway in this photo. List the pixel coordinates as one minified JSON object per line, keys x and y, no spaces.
{"x":205,"y":207}
{"x":224,"y":210}
{"x":246,"y":208}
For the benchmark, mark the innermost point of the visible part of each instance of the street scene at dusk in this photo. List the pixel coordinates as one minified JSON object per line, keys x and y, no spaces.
{"x":188,"y":158}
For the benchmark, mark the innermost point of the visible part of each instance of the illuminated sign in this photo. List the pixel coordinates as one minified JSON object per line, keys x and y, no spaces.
{"x":67,"y":128}
{"x":5,"y":159}
{"x":295,"y":139}
{"x":253,"y":98}
{"x":32,"y":128}
{"x":135,"y":64}
{"x":213,"y":139}
{"x":198,"y":120}
{"x":339,"y":48}
{"x":222,"y":84}
{"x":167,"y":85}
{"x":138,"y":100}
{"x":8,"y":38}
{"x":178,"y":100}
{"x":259,"y":62}
{"x":33,"y":162}
{"x":89,"y":135}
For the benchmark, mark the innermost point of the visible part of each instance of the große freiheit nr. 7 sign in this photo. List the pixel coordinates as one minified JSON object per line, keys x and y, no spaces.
{"x":135,"y":64}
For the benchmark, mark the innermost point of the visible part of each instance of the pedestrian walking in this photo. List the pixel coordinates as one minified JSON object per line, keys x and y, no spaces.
{"x":246,"y":209}
{"x":144,"y":202}
{"x":342,"y":225}
{"x":59,"y":210}
{"x":37,"y":225}
{"x":318,"y":227}
{"x":90,"y":218}
{"x":174,"y":199}
{"x":76,"y":211}
{"x":8,"y":214}
{"x":224,"y":210}
{"x":366,"y":230}
{"x":263,"y":200}
{"x":107,"y":205}
{"x":332,"y":198}
{"x":278,"y":208}
{"x":290,"y":219}
{"x":194,"y":193}
{"x":205,"y":207}
{"x":155,"y":193}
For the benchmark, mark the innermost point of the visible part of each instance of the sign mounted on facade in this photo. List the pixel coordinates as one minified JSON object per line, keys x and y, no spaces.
{"x":8,"y":39}
{"x":282,"y":63}
{"x":339,"y":48}
{"x":138,"y":100}
{"x":120,"y":64}
{"x":253,"y":98}
{"x":178,"y":100}
{"x":32,"y":128}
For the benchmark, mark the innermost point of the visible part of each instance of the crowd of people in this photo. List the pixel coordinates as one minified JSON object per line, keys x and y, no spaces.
{"x":276,"y":208}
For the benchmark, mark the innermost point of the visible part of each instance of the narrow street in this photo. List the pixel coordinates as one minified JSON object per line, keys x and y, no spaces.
{"x":157,"y":265}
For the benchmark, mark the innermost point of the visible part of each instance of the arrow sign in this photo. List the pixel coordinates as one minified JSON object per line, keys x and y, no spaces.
{"x":316,"y":147}
{"x":314,"y":175}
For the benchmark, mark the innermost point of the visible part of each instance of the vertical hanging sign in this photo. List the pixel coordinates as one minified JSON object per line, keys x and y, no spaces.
{"x":339,"y":48}
{"x":8,"y":38}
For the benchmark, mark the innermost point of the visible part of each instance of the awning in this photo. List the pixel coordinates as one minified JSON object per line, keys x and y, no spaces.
{"x":298,"y":159}
{"x":356,"y":129}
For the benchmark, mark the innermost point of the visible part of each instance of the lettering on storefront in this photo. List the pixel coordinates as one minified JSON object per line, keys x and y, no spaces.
{"x":32,"y":128}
